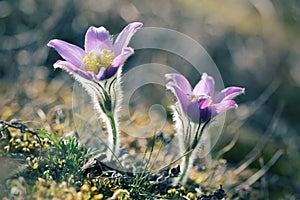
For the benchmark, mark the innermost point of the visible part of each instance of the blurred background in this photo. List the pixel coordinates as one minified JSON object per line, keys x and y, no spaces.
{"x":254,"y":43}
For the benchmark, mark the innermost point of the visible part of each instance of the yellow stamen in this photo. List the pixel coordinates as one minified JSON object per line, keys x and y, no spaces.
{"x":91,"y":62}
{"x":94,"y":62}
{"x":192,"y":97}
{"x":107,"y":57}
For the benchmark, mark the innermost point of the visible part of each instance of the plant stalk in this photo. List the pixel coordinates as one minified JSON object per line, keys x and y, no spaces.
{"x":114,"y":149}
{"x":185,"y":165}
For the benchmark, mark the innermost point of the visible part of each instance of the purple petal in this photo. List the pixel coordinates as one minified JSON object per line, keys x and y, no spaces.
{"x":223,"y":106}
{"x":205,"y":109}
{"x":181,"y":81}
{"x":97,"y":38}
{"x":205,"y":86}
{"x":118,"y":61}
{"x":193,"y":112}
{"x":181,"y":96}
{"x":71,"y":53}
{"x":125,"y":36}
{"x":228,"y":93}
{"x":204,"y":103}
{"x":205,"y":114}
{"x":71,"y":68}
{"x":100,"y":75}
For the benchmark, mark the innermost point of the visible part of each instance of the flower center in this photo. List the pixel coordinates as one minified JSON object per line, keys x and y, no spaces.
{"x":203,"y":100}
{"x":192,"y":97}
{"x":94,"y":60}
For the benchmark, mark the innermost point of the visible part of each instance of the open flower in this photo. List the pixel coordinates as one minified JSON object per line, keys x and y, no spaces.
{"x":192,"y":114}
{"x":198,"y":104}
{"x":97,"y":69}
{"x":101,"y":58}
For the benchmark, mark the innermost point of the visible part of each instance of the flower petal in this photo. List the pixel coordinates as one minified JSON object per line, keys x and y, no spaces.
{"x":228,"y":93}
{"x":205,"y":86}
{"x":181,"y":81}
{"x":205,"y":109}
{"x":71,"y":53}
{"x":223,"y":106}
{"x":181,"y":96}
{"x":193,"y":112}
{"x":125,"y":36}
{"x":204,"y":102}
{"x":69,"y":67}
{"x":97,"y":38}
{"x":101,"y":74}
{"x":118,"y":61}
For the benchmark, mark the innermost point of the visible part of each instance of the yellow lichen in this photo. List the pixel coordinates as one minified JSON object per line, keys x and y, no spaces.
{"x":98,"y":197}
{"x":191,"y":196}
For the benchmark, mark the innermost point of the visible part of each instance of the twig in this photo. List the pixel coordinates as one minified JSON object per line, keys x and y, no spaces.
{"x":260,"y":172}
{"x":255,"y":105}
{"x":260,"y":145}
{"x":23,"y":128}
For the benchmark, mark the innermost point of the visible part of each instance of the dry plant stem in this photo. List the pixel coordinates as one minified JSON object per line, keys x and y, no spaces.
{"x":172,"y":162}
{"x":211,"y":168}
{"x":229,"y":146}
{"x":255,"y":105}
{"x":264,"y":182}
{"x":260,"y":145}
{"x":260,"y":172}
{"x":156,"y":156}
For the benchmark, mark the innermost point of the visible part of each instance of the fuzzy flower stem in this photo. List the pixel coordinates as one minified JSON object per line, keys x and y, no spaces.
{"x":185,"y":164}
{"x":188,"y":159}
{"x":198,"y":134}
{"x":114,"y":132}
{"x":108,"y":104}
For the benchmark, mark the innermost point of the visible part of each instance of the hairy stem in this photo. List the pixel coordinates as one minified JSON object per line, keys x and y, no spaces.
{"x":185,"y":166}
{"x":115,"y":148}
{"x":189,"y":158}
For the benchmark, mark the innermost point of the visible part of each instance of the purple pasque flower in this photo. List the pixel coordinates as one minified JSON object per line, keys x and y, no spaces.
{"x":198,"y":104}
{"x":101,"y":58}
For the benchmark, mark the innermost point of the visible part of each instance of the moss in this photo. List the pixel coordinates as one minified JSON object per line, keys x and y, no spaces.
{"x":62,"y":168}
